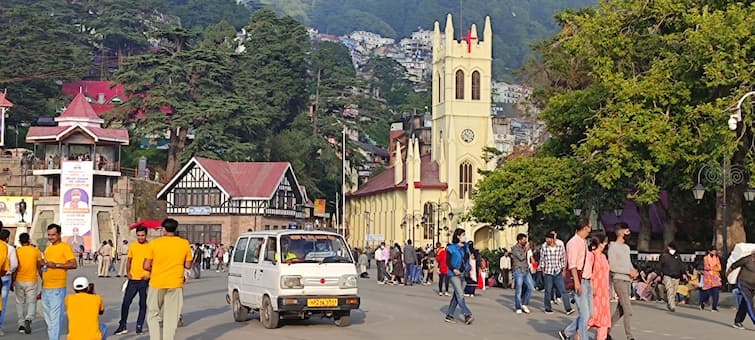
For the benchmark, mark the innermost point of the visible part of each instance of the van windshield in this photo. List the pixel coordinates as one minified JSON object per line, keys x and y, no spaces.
{"x":309,"y":248}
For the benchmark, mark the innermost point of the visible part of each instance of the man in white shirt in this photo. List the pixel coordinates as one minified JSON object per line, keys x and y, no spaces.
{"x":4,"y":237}
{"x":380,"y":260}
{"x":505,"y":266}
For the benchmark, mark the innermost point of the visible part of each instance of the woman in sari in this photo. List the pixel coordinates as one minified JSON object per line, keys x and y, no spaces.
{"x":601,"y":316}
{"x":711,"y":279}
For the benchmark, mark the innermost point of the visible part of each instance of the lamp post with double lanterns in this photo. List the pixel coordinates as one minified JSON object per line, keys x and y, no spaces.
{"x":410,"y":220}
{"x":438,"y":209}
{"x":727,"y":174}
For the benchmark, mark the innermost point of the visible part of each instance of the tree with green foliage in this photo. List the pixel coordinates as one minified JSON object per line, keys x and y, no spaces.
{"x":637,"y":93}
{"x":40,"y":44}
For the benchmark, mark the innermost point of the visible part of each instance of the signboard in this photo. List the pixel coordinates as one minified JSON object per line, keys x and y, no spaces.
{"x":199,"y":211}
{"x":76,"y":203}
{"x":319,"y":207}
{"x":11,"y":208}
{"x":375,"y":238}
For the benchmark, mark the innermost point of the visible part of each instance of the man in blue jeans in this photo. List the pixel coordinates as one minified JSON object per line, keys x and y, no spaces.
{"x":59,"y":259}
{"x":581,"y":272}
{"x":457,"y":258}
{"x":138,"y":282}
{"x":553,"y":263}
{"x":522,"y":277}
{"x":4,"y":237}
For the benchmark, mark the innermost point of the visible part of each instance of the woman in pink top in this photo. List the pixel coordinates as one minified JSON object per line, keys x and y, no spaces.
{"x":601,"y":316}
{"x":711,"y":279}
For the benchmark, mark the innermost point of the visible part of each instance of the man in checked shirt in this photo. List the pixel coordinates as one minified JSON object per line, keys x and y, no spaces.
{"x":553,"y":263}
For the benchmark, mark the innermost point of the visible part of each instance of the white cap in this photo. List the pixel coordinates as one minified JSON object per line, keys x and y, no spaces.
{"x":80,"y":283}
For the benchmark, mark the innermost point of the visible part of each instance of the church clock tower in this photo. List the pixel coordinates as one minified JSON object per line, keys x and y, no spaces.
{"x":461,"y":122}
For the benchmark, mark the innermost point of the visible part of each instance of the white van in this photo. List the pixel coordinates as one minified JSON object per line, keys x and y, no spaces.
{"x":292,"y":274}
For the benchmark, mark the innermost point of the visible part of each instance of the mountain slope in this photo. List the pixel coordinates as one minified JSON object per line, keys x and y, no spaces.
{"x":516,"y":23}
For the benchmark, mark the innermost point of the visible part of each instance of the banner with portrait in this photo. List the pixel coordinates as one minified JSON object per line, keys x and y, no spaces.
{"x":15,"y":210}
{"x":76,"y":182}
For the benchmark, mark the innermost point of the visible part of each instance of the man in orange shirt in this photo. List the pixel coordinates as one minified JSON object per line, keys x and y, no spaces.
{"x":84,"y":308}
{"x":169,"y":255}
{"x":59,"y":259}
{"x":25,"y":282}
{"x":138,"y":281}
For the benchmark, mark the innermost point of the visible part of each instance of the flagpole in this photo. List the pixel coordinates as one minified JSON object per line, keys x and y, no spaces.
{"x":343,"y":180}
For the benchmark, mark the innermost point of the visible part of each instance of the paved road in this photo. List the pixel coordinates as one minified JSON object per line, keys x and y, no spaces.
{"x":398,"y":312}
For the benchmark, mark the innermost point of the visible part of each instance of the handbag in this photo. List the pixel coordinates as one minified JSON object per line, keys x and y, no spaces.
{"x":569,"y":279}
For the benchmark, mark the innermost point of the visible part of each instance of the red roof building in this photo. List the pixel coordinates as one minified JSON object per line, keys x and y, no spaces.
{"x":102,"y":95}
{"x":217,"y":200}
{"x":79,"y":136}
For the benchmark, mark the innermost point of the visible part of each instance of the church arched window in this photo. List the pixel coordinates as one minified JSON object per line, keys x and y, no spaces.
{"x":459,"y":84}
{"x":475,"y":85}
{"x":465,"y":179}
{"x":428,"y":228}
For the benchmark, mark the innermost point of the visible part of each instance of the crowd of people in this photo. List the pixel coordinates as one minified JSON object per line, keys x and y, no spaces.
{"x":155,"y":270}
{"x":583,"y":275}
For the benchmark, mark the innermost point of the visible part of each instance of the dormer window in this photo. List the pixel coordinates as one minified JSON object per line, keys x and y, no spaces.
{"x":116,"y":100}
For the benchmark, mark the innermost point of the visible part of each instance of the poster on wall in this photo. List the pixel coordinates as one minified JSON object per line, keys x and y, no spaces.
{"x":319,"y":207}
{"x":15,"y":210}
{"x":76,"y":203}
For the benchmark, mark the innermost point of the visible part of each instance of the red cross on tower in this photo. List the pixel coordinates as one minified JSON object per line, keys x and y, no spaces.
{"x":468,"y":38}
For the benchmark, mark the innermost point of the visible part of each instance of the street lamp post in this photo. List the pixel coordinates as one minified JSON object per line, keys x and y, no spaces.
{"x":409,"y":220}
{"x":438,"y":208}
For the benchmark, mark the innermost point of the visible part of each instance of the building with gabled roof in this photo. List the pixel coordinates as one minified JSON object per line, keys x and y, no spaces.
{"x":79,"y":136}
{"x":215,"y":201}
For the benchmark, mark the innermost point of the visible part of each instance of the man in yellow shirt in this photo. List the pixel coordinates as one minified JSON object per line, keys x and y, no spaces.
{"x":84,"y":309}
{"x":4,"y":264}
{"x":169,"y":255}
{"x":58,"y":260}
{"x":25,"y":281}
{"x":138,"y":281}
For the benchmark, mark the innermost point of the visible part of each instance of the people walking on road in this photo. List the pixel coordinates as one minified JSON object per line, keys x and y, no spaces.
{"x":579,"y":265}
{"x":601,"y":292}
{"x":138,"y":282}
{"x":122,"y":255}
{"x":105,"y":256}
{"x":410,"y":263}
{"x":457,"y":259}
{"x":7,"y":279}
{"x":553,"y":264}
{"x":473,"y":278}
{"x":84,"y":308}
{"x":362,"y":262}
{"x":505,"y":266}
{"x":672,"y":269}
{"x":523,"y":284}
{"x":113,"y":254}
{"x":25,"y":282}
{"x":746,"y":286}
{"x":166,"y":260}
{"x":58,"y":260}
{"x":622,"y":273}
{"x":397,"y":260}
{"x":711,"y":286}
{"x":440,"y":258}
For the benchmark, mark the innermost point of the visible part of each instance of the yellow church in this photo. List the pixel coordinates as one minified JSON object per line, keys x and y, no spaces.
{"x":424,"y":197}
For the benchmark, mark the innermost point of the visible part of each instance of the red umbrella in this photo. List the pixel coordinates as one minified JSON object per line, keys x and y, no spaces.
{"x":149,"y":224}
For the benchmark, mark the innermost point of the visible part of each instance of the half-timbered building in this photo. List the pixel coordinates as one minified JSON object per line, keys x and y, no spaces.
{"x":214,"y":200}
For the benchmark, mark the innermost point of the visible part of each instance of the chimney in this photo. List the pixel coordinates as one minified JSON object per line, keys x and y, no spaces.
{"x":101,"y":98}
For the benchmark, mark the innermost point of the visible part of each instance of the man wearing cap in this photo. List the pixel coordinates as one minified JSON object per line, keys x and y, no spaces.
{"x":622,"y":272}
{"x":84,"y":309}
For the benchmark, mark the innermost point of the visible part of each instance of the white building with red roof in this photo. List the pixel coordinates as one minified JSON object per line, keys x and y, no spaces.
{"x":78,"y":136}
{"x":215,"y":201}
{"x":5,"y":105}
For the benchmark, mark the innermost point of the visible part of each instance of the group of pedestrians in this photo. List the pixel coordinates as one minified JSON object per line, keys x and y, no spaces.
{"x":155,"y":272}
{"x":405,"y":265}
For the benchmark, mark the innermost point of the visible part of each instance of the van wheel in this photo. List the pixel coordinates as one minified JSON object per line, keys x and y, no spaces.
{"x":268,"y":317}
{"x":240,"y":313}
{"x":343,"y":320}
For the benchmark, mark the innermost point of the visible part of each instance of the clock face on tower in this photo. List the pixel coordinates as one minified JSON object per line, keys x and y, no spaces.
{"x":467,"y":135}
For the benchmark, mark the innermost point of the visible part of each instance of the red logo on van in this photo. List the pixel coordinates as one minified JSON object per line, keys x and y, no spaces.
{"x":322,"y":280}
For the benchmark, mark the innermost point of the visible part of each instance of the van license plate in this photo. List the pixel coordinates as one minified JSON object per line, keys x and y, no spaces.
{"x":322,"y":302}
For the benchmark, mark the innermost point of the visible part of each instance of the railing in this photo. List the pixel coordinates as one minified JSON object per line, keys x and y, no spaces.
{"x":55,"y":165}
